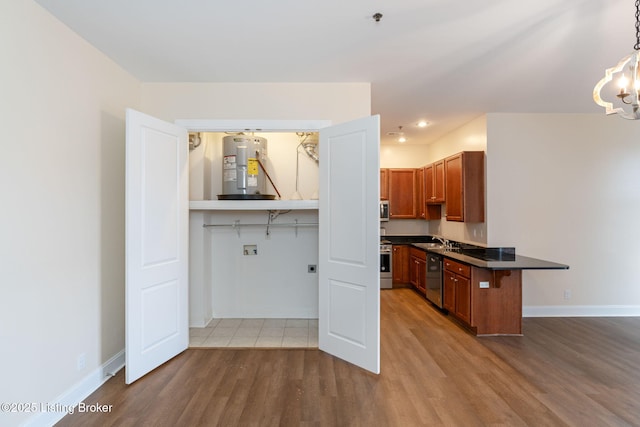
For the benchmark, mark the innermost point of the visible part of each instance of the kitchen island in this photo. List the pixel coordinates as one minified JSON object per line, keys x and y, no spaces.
{"x":482,"y":287}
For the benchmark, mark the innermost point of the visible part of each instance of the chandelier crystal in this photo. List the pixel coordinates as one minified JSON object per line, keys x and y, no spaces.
{"x":628,"y":81}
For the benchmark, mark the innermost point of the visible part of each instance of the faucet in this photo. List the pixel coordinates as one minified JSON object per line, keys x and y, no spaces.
{"x":442,"y":240}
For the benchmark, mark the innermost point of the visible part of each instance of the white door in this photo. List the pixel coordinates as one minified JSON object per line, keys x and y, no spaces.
{"x":349,"y":276}
{"x":157,"y":213}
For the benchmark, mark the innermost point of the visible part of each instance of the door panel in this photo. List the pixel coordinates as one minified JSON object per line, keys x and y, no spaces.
{"x":349,"y":276}
{"x":156,"y":243}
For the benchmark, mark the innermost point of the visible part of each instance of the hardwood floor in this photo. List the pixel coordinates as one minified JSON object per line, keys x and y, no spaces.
{"x":563,"y":371}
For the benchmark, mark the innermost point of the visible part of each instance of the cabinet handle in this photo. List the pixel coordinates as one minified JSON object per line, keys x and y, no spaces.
{"x":459,"y":269}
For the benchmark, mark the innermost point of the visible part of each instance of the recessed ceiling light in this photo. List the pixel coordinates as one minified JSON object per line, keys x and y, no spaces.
{"x":422,"y":124}
{"x":402,"y":139}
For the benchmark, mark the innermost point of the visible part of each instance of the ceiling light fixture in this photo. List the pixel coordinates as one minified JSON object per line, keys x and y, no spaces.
{"x":629,"y":86}
{"x":422,"y":124}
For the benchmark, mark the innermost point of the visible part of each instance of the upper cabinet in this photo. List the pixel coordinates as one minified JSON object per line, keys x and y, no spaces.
{"x":434,"y":182}
{"x":464,"y":191}
{"x":420,"y":204}
{"x":457,"y":182}
{"x":402,"y":193}
{"x":424,"y":203}
{"x":384,"y":184}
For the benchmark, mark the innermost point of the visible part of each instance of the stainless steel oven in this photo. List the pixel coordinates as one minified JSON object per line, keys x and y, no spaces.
{"x":386,"y":279}
{"x":434,"y":279}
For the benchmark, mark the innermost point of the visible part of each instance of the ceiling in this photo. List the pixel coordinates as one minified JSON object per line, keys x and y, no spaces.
{"x":444,"y":61}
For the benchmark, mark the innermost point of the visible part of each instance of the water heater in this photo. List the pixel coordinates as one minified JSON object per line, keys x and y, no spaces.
{"x":243,"y":176}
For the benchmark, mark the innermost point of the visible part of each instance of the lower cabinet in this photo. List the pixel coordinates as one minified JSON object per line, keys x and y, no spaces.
{"x":418,"y":269}
{"x":400,"y":264}
{"x":489,"y":302}
{"x":457,"y":289}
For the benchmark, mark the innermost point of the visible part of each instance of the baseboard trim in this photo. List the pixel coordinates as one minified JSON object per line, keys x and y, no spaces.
{"x":79,"y":392}
{"x":581,"y":311}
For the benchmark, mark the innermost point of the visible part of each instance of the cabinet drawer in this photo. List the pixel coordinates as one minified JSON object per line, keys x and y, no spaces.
{"x":418,"y":253}
{"x":457,"y":267}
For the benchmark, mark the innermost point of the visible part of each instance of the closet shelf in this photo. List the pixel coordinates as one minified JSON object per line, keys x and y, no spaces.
{"x":252,"y":205}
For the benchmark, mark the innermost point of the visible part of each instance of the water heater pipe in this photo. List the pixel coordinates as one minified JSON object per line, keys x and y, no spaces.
{"x":267,"y":174}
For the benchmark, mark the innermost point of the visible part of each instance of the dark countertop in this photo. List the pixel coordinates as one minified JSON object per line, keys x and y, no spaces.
{"x":489,"y":258}
{"x":406,"y":239}
{"x":518,"y":262}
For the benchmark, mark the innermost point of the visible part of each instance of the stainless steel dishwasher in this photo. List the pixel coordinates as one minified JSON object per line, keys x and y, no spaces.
{"x":434,"y":279}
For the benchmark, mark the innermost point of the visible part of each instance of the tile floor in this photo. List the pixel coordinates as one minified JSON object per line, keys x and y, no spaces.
{"x":256,"y":333}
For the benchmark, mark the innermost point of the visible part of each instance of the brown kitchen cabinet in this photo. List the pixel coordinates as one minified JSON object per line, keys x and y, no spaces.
{"x":424,"y":210}
{"x":400,"y":264}
{"x":434,"y":183}
{"x":418,"y":269}
{"x":464,"y":189}
{"x":457,"y":289}
{"x":420,"y":203}
{"x":402,"y":193}
{"x":488,"y":302}
{"x":384,"y":184}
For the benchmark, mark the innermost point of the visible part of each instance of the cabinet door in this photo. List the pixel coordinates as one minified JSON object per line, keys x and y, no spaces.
{"x":438,"y":182}
{"x":453,"y":172}
{"x":429,"y":195}
{"x":463,"y":298}
{"x":400,"y":262}
{"x":413,"y":271}
{"x":449,"y":290}
{"x":464,"y":188}
{"x":384,"y":184}
{"x":402,"y":193}
{"x":420,"y":193}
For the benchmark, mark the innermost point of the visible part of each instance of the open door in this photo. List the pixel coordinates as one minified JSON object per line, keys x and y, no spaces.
{"x":349,"y":276}
{"x":156,"y":243}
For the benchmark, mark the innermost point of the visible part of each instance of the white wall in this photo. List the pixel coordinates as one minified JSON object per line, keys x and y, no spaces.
{"x":566,"y":188}
{"x":62,"y":216}
{"x":338,"y":102}
{"x":275,"y":282}
{"x":403,"y":156}
{"x":469,"y":137}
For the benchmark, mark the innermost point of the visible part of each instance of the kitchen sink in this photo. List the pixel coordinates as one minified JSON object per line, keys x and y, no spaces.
{"x":433,"y":245}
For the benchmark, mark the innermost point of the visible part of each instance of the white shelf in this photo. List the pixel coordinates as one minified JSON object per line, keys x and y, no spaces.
{"x":252,"y":205}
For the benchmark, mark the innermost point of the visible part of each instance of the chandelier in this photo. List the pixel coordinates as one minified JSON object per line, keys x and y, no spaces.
{"x":628,"y":81}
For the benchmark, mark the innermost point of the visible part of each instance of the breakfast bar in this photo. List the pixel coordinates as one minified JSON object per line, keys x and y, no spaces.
{"x":481,"y":287}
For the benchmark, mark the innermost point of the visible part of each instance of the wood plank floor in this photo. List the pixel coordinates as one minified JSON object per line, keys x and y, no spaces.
{"x":563,"y":371}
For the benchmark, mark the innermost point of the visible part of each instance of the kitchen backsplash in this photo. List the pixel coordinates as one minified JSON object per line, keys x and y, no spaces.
{"x":398,"y":227}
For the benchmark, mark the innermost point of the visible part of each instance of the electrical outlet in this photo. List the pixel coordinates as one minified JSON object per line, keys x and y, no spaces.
{"x":311,"y":268}
{"x":567,"y":294}
{"x":81,"y":362}
{"x":484,"y":285}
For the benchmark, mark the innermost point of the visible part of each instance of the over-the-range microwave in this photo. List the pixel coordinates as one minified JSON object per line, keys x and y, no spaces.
{"x":384,"y":210}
